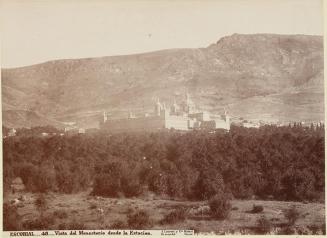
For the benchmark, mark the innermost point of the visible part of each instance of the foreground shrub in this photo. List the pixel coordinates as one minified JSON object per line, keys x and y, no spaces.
{"x":61,"y":214}
{"x":263,"y":225}
{"x":40,"y":223}
{"x":257,"y":209}
{"x":220,"y":206}
{"x":287,"y":230}
{"x":139,"y":220}
{"x":73,"y":225}
{"x":62,"y":226}
{"x":41,"y":203}
{"x":323,"y":228}
{"x":291,"y":214}
{"x":314,"y":229}
{"x":11,"y":218}
{"x":118,"y":225}
{"x":306,"y":230}
{"x":178,"y":215}
{"x":195,"y":229}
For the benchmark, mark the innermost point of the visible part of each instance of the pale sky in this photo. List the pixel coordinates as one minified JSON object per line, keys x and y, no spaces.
{"x":34,"y":31}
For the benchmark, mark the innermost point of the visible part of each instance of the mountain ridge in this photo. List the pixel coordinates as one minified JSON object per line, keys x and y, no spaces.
{"x":227,"y":73}
{"x":155,"y":51}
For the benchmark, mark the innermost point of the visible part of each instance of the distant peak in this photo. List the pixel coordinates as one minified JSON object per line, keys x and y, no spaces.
{"x":266,"y":35}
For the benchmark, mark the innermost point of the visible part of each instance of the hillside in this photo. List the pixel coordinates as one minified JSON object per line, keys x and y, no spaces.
{"x":262,"y":76}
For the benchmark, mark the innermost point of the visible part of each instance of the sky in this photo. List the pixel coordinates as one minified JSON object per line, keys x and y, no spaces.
{"x":35,"y":31}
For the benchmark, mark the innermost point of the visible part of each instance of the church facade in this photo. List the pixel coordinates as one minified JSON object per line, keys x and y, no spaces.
{"x":179,"y":117}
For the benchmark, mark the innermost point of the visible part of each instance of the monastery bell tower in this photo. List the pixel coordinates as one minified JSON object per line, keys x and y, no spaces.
{"x":189,"y":104}
{"x":105,"y":116}
{"x":157,"y":108}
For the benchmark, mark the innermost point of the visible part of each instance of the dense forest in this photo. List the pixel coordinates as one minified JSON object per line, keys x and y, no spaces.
{"x":280,"y":163}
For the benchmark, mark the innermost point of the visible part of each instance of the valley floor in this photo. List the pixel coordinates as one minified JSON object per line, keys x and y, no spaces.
{"x":93,"y":212}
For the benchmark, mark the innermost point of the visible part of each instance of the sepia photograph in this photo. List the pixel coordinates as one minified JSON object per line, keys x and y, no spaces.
{"x":131,"y":117}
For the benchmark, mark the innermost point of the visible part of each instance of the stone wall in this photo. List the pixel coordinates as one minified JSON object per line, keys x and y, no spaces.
{"x":176,"y":122}
{"x":134,"y":124}
{"x":154,"y":123}
{"x":221,"y":124}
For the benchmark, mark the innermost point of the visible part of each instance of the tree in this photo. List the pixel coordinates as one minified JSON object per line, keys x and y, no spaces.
{"x":220,"y":206}
{"x":291,"y":214}
{"x":298,"y":184}
{"x":209,"y":183}
{"x":131,"y":186}
{"x":139,"y":220}
{"x":108,"y":181}
{"x":11,"y":218}
{"x":41,"y":203}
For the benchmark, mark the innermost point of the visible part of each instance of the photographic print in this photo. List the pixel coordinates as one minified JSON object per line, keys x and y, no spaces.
{"x":205,"y":117}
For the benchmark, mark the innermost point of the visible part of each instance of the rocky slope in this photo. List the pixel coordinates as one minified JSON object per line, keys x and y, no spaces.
{"x":261,"y":76}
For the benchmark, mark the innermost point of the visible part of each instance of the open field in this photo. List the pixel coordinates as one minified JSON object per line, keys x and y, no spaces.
{"x":84,"y":211}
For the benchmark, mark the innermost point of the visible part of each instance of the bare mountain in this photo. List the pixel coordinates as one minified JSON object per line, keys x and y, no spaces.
{"x":261,"y":76}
